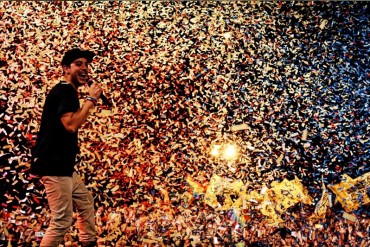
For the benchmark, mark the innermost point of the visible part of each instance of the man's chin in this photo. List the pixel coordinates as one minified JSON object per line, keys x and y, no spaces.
{"x":79,"y":82}
{"x":82,"y":80}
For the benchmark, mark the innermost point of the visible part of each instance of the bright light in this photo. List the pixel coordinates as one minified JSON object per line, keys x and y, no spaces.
{"x":230,"y":152}
{"x":216,"y":150}
{"x":226,"y":151}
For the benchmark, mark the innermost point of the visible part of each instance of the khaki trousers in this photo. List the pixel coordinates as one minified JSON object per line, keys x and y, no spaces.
{"x":62,"y":194}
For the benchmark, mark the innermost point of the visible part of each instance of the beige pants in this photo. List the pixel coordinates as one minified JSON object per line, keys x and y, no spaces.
{"x":63,"y":193}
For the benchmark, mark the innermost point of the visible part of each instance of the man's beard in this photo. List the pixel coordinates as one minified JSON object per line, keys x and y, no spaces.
{"x":76,"y":80}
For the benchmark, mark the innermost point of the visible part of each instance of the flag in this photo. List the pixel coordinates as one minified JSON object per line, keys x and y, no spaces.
{"x":352,"y":193}
{"x":267,"y":207}
{"x":223,"y":187}
{"x":210,"y":197}
{"x":287,"y":193}
{"x":198,"y":188}
{"x":322,"y":205}
{"x":245,"y":200}
{"x":234,"y":189}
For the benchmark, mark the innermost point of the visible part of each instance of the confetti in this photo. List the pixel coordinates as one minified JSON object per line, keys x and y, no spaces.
{"x":287,"y":81}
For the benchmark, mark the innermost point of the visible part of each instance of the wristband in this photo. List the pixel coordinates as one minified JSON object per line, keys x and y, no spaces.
{"x":93,"y":100}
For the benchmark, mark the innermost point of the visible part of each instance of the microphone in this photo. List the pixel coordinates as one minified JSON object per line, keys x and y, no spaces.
{"x":105,"y":100}
{"x":102,"y":96}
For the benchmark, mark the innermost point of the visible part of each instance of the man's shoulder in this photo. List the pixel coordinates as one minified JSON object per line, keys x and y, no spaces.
{"x":62,"y":87}
{"x":63,"y":84}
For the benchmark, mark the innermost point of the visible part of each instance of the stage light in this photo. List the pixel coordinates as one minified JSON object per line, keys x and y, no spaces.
{"x":230,"y":152}
{"x":216,"y":150}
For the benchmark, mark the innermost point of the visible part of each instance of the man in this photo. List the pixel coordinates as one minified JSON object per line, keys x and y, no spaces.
{"x":286,"y":236}
{"x":56,"y":149}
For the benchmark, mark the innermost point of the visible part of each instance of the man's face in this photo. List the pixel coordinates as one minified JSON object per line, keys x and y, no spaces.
{"x":78,"y":71}
{"x":288,"y":239}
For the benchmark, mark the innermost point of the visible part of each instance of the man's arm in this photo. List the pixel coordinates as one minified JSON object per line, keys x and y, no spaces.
{"x":72,"y":121}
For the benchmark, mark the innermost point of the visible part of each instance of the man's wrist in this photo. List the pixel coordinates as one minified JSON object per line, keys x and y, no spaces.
{"x":92,"y":99}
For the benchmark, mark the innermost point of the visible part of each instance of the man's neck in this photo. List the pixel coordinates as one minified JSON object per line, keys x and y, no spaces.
{"x":69,"y":80}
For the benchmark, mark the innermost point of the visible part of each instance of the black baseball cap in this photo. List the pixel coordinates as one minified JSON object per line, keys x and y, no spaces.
{"x":76,"y":53}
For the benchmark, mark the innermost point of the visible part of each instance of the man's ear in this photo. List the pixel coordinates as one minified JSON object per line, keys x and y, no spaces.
{"x":66,"y":69}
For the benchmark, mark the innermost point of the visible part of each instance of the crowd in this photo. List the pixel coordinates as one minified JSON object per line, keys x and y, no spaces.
{"x":181,"y":75}
{"x":127,"y":226}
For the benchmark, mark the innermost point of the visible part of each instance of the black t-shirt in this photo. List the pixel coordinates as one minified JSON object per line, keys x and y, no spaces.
{"x":56,"y":148}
